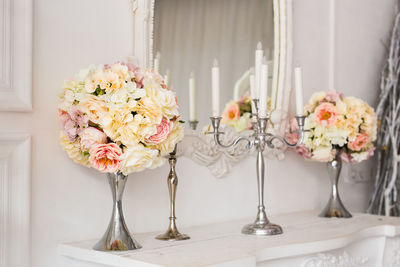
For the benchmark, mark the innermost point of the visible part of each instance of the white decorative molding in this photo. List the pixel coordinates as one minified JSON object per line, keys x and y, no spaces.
{"x":392,"y":252}
{"x":16,"y":55}
{"x":143,"y":11}
{"x":202,"y":149}
{"x":330,"y":260}
{"x":15,"y":170}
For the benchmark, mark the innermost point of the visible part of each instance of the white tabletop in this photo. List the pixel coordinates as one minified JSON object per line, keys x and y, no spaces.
{"x":222,"y":244}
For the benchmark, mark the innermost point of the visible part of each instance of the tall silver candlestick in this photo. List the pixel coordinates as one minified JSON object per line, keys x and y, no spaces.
{"x":172,"y":233}
{"x":259,"y":139}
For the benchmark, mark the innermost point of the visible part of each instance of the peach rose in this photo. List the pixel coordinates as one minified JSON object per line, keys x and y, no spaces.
{"x":91,"y":136}
{"x":94,"y":107}
{"x":106,"y":157}
{"x":231,"y":112}
{"x":163,"y":131}
{"x":359,"y":142}
{"x":326,"y":114}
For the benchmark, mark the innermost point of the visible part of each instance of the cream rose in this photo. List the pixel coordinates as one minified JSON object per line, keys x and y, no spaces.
{"x":74,"y":151}
{"x":138,"y":157}
{"x":323,"y":154}
{"x":95,"y":107}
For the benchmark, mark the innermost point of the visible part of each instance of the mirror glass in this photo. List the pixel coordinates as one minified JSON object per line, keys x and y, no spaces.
{"x":190,"y":34}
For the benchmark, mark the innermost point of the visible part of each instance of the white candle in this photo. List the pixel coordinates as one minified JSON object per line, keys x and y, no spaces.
{"x":157,"y":63}
{"x":166,"y":78}
{"x":299,"y":91}
{"x":192,"y":98}
{"x":215,"y":88}
{"x":258,"y":62}
{"x":264,"y":89}
{"x":252,"y":93}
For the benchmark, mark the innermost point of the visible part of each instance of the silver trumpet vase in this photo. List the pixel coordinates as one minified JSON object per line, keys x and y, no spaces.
{"x":335,"y":207}
{"x":172,"y":232}
{"x":259,"y":139}
{"x":117,"y":236}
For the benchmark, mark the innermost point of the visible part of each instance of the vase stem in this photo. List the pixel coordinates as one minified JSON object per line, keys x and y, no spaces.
{"x":335,"y":207}
{"x":117,"y":236}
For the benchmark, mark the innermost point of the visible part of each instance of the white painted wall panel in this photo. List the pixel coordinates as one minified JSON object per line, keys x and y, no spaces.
{"x":15,"y":196}
{"x":16,"y":55}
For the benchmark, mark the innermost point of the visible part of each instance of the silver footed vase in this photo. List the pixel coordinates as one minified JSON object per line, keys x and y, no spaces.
{"x":335,"y":207}
{"x":117,"y":236}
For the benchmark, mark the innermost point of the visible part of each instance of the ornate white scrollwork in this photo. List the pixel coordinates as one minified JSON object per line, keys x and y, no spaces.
{"x":202,"y":149}
{"x":392,"y":253}
{"x":330,"y":260}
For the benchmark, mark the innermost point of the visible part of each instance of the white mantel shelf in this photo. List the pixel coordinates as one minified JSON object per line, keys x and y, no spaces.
{"x":307,"y":239}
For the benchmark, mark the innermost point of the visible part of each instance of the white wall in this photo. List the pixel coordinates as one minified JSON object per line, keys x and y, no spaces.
{"x":70,"y":202}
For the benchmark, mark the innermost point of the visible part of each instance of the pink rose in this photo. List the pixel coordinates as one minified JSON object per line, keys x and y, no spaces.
{"x":91,"y":136}
{"x":163,"y":131}
{"x":359,"y":142}
{"x":73,"y":122}
{"x":326,"y":114}
{"x":244,"y":98}
{"x":139,"y":76}
{"x":231,"y":112}
{"x":346,"y":157}
{"x":303,"y":151}
{"x":294,"y":127}
{"x":106,"y":157}
{"x":333,"y":96}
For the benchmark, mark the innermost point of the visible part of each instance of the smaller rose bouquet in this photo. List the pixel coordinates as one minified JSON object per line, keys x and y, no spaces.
{"x":337,"y":124}
{"x":237,"y":114}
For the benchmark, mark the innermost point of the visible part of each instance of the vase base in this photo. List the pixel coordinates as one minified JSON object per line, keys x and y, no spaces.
{"x":262,"y":229}
{"x":172,"y":235}
{"x":335,"y":210}
{"x":124,"y":244}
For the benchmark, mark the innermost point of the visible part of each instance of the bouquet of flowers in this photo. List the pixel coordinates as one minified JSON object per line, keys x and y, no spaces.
{"x":238,"y":113}
{"x":337,"y":124}
{"x":118,"y":117}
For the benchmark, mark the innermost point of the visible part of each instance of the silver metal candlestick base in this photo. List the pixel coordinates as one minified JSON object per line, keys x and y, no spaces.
{"x":172,"y":233}
{"x":261,"y":225}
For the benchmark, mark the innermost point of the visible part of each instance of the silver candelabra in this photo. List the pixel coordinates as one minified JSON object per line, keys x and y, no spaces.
{"x":259,"y":139}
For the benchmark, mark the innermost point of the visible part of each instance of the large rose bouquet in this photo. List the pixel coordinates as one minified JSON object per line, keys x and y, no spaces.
{"x":118,"y":117}
{"x":337,"y":124}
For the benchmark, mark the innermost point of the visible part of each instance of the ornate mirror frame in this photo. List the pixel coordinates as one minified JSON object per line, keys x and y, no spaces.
{"x":143,"y":11}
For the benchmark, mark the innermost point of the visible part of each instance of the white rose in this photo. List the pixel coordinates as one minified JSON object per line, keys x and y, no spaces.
{"x":358,"y":157}
{"x":167,"y":100}
{"x":323,"y":154}
{"x":138,"y":157}
{"x":243,"y":123}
